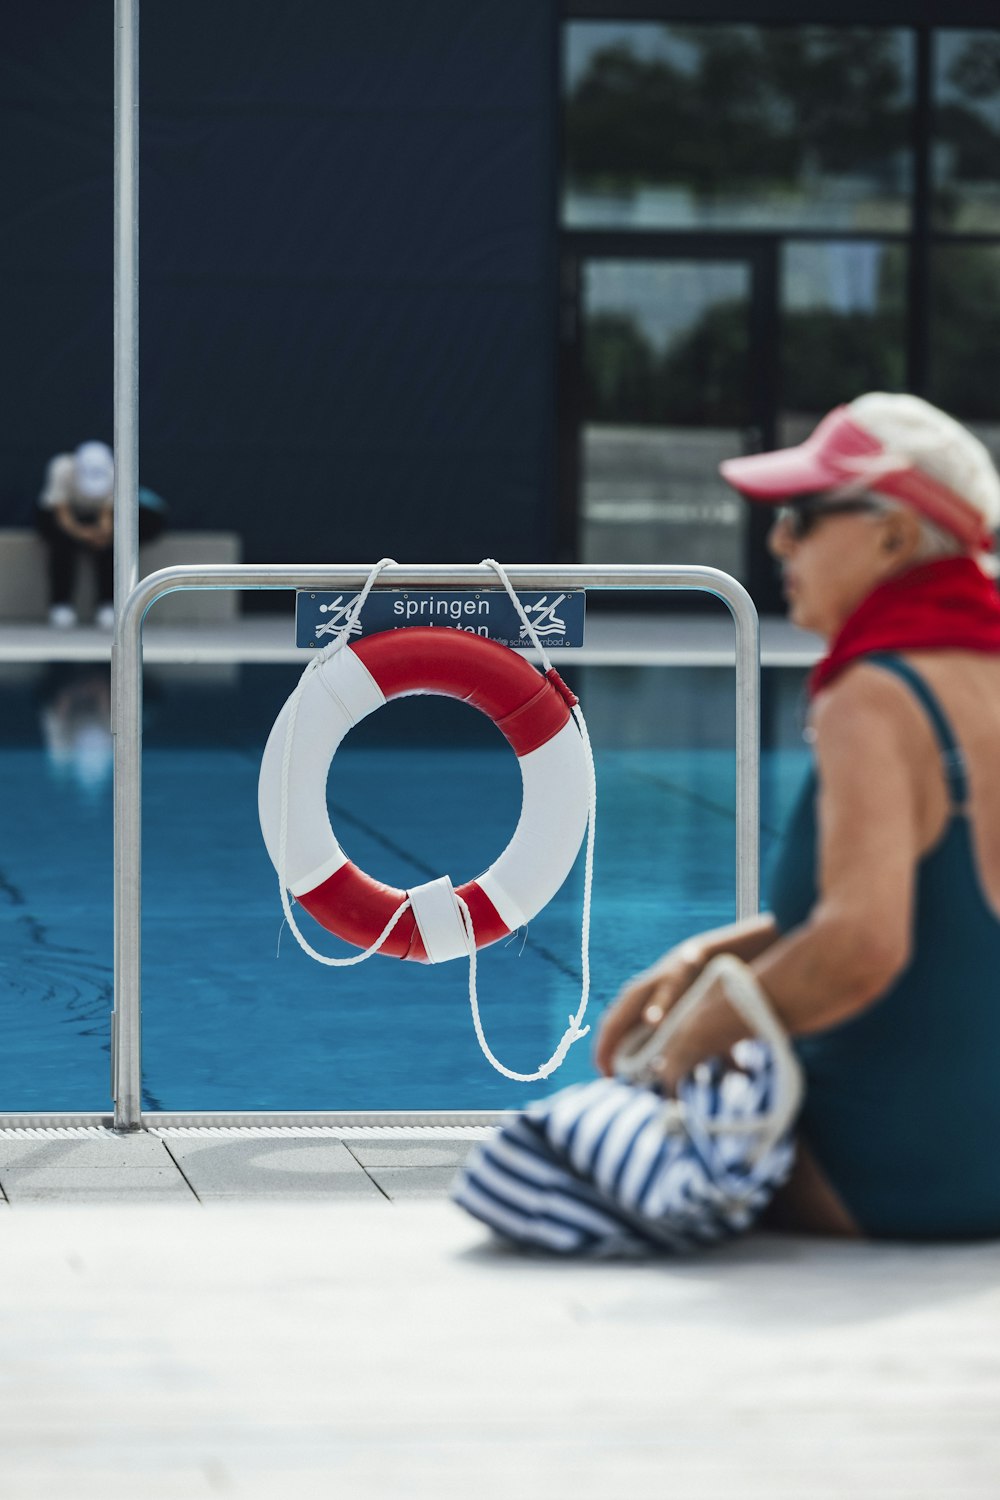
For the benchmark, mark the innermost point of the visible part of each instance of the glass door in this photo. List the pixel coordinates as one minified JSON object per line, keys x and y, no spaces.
{"x":666,"y":379}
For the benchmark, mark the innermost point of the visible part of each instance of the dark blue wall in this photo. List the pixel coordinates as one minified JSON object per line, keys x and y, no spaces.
{"x":348,"y":267}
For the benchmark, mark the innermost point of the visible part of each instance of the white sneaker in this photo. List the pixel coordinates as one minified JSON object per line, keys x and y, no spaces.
{"x":106,"y":617}
{"x":62,"y":616}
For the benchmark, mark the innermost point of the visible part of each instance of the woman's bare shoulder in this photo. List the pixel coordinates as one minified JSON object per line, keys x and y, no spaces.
{"x":974,"y":675}
{"x":863,"y":695}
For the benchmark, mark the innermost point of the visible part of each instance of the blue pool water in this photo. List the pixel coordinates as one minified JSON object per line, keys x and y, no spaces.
{"x":421,"y":789}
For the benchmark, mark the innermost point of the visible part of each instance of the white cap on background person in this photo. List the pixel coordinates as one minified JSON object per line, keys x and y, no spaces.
{"x":94,"y":471}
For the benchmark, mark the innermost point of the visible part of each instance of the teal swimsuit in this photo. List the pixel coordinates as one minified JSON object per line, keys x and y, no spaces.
{"x":902,"y":1105}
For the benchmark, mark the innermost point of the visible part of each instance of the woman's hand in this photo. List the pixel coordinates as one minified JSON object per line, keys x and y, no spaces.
{"x":648,"y":997}
{"x":651,"y":994}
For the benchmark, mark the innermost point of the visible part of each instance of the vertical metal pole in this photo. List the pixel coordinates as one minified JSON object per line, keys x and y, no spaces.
{"x":125,"y":711}
{"x":747,"y":759}
{"x":126,"y":299}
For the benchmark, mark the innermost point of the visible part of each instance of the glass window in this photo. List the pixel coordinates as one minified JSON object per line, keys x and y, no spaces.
{"x":666,"y":367}
{"x":965,"y":337}
{"x":724,"y":127}
{"x":843,"y":327}
{"x":965,"y":163}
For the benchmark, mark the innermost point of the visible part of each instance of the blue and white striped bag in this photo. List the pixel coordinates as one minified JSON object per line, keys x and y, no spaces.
{"x":613,"y":1168}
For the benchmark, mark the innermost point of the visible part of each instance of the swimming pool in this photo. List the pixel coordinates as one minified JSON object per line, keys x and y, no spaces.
{"x":424,"y":787}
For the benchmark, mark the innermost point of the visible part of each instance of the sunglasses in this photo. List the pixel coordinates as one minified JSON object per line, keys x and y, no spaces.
{"x":803,"y":515}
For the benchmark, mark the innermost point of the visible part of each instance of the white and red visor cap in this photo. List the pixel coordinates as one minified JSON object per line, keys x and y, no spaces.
{"x":898,"y":446}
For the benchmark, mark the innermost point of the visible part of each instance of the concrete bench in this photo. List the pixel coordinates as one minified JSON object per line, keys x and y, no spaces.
{"x":24,"y":590}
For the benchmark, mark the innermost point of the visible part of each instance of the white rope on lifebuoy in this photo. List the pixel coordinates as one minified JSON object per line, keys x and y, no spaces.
{"x":340,"y":686}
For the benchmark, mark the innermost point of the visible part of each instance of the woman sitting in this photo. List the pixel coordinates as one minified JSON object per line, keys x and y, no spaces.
{"x":881,"y":953}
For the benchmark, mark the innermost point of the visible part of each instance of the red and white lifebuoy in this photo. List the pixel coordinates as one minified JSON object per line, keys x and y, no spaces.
{"x":532,"y":711}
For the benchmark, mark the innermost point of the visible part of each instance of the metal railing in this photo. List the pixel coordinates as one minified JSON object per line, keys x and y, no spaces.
{"x":127,"y":730}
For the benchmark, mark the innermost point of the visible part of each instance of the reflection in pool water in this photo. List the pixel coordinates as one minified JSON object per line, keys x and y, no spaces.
{"x":76,"y":727}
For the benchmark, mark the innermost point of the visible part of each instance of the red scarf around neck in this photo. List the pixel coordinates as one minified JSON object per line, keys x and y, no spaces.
{"x":948,"y":605}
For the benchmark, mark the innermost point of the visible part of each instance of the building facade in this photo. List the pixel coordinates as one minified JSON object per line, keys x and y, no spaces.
{"x":446,"y":278}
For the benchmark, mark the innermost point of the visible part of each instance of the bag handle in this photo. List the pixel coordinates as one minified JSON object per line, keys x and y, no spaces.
{"x":643,"y":1046}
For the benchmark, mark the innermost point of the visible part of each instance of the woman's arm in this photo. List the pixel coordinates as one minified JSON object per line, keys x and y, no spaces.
{"x":651,"y":994}
{"x":856,"y":940}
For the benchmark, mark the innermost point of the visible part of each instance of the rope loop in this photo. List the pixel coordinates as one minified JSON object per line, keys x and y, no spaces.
{"x":575,"y":1029}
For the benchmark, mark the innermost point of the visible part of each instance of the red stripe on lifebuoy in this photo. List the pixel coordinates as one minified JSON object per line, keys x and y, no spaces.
{"x":357,"y":908}
{"x":487,"y":923}
{"x":527,"y":710}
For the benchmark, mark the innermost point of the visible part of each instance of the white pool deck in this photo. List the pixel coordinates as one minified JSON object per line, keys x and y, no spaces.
{"x":257,"y":1317}
{"x":191,"y":1312}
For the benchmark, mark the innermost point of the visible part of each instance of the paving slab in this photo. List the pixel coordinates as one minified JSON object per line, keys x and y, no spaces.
{"x":98,"y":1148}
{"x":386,"y":1152}
{"x":372,"y":1352}
{"x":124,"y":1185}
{"x":268,"y":1167}
{"x":413,"y":1182}
{"x":99,"y":1166}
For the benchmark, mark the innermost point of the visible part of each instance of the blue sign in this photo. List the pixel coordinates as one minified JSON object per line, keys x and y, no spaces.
{"x":557,"y":617}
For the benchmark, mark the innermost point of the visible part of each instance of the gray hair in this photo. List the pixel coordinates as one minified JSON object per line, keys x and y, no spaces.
{"x":935,"y":542}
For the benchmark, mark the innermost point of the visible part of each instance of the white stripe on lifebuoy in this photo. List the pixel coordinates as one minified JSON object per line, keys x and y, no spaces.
{"x":338,"y":695}
{"x":555,"y":788}
{"x":555,"y":776}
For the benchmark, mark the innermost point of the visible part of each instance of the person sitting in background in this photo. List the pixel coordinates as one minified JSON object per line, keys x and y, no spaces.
{"x":881,"y":952}
{"x":76,"y":519}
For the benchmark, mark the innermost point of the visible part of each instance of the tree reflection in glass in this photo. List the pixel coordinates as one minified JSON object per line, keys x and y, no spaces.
{"x":842,"y":327}
{"x":966,"y":157}
{"x":723,"y":126}
{"x":666,"y":398}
